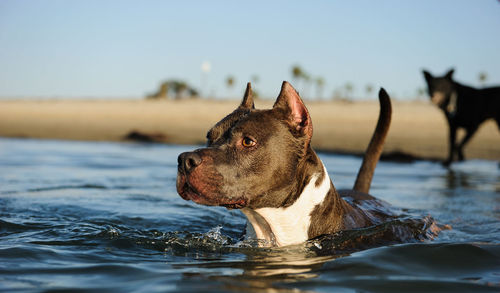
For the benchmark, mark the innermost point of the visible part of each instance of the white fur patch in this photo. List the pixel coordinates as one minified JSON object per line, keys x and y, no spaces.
{"x":452,"y":105}
{"x":290,"y":224}
{"x":438,"y":98}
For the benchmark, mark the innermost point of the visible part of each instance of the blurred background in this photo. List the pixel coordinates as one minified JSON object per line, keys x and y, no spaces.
{"x":166,"y":71}
{"x":327,"y":49}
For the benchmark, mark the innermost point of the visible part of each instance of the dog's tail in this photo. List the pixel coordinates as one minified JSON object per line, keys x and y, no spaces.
{"x":376,"y":145}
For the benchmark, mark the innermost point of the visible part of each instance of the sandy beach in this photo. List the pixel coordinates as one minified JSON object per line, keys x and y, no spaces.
{"x":418,"y":128}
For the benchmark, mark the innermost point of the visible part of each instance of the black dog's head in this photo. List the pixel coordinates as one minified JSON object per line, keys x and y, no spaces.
{"x":441,"y":89}
{"x":252,"y":158}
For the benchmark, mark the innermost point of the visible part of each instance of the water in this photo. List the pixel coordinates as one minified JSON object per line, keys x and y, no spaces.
{"x":95,"y":216}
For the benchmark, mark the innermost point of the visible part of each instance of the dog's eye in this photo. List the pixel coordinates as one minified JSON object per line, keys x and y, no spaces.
{"x":248,"y":142}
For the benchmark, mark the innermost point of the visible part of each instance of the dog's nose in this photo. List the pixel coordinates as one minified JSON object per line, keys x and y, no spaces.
{"x":188,"y":161}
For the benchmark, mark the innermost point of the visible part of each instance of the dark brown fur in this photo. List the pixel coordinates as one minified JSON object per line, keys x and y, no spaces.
{"x":376,"y":145}
{"x":275,"y":170}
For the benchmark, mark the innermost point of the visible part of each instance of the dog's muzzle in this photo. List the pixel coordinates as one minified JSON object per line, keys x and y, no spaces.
{"x":186,"y":163}
{"x":199,"y":181}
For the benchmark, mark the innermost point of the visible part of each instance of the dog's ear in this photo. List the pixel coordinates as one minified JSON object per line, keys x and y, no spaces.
{"x":427,"y":75}
{"x":290,"y":102}
{"x":449,"y":74}
{"x":247,"y":102}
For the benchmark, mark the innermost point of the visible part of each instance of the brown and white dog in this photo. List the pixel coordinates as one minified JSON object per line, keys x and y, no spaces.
{"x":261,"y":161}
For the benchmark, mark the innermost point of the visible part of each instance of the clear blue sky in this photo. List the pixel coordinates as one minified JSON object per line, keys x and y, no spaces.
{"x":125,"y":48}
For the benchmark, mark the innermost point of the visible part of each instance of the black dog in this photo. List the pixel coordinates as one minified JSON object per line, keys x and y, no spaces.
{"x":463,"y":106}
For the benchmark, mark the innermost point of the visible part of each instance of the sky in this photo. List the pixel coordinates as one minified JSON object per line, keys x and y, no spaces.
{"x":113,"y":49}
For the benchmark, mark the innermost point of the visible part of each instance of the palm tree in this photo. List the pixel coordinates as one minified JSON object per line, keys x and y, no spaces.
{"x":369,"y":89}
{"x":349,"y":88}
{"x":420,"y":92}
{"x":255,"y":78}
{"x":320,"y":83}
{"x":306,"y":86}
{"x":297,"y":74}
{"x":230,"y":82}
{"x":483,"y":76}
{"x":337,"y":94}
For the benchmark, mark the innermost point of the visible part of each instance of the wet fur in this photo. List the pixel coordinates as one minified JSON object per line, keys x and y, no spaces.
{"x":275,"y":174}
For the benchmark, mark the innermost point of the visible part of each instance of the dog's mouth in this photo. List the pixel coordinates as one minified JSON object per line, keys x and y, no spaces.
{"x":439,"y":99}
{"x":186,"y":191}
{"x":189,"y":192}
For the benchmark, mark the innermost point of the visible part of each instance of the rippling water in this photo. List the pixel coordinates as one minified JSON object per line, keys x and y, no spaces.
{"x":106,"y":217}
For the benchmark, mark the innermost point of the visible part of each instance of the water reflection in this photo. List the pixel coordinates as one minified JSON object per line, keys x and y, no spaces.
{"x":402,"y":268}
{"x":472,"y":175}
{"x":259,"y":270}
{"x":457,"y":179}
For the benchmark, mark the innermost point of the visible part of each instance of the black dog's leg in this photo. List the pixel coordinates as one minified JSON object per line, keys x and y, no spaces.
{"x":468,"y":135}
{"x":452,"y":137}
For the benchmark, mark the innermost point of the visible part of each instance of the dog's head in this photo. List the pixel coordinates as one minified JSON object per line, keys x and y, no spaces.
{"x":252,"y":158}
{"x":441,"y":90}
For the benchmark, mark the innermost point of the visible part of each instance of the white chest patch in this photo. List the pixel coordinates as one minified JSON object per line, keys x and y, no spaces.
{"x":290,"y":224}
{"x":452,"y":105}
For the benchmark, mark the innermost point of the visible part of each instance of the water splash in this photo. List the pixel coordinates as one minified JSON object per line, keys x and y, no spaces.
{"x":396,"y":231}
{"x":216,"y":235}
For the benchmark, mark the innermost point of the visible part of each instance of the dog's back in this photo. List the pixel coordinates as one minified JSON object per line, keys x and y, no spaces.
{"x":466,"y":106}
{"x":491,"y":96}
{"x":474,"y":106}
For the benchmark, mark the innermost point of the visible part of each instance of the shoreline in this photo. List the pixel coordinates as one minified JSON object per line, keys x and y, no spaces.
{"x":418,"y":129}
{"x":393,"y":156}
